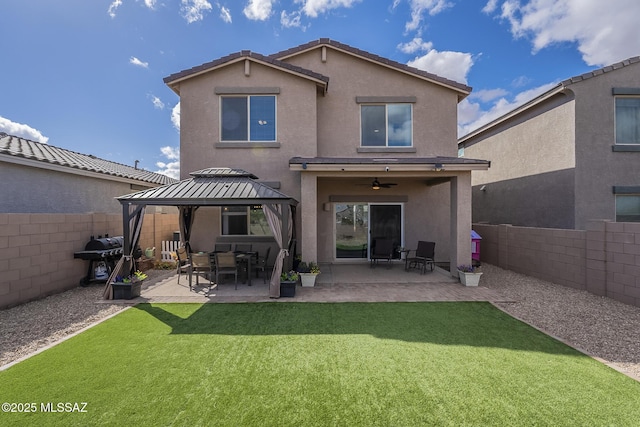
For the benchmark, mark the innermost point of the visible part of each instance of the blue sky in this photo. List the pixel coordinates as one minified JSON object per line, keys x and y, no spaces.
{"x":86,"y":75}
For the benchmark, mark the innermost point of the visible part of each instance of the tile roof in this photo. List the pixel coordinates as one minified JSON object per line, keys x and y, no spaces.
{"x":369,"y":56}
{"x":23,"y":148}
{"x":559,"y":88}
{"x":600,"y":71}
{"x":245,"y":54}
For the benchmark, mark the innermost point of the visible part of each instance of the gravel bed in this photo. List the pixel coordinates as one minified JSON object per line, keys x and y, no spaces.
{"x":29,"y":327}
{"x":599,"y":326}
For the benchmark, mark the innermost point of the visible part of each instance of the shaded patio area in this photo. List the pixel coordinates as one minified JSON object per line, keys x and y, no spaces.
{"x":336,"y":283}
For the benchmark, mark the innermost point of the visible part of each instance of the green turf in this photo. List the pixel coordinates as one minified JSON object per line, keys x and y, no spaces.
{"x":300,"y":364}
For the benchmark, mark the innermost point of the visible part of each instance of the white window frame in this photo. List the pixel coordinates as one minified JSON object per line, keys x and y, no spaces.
{"x":246,"y":214}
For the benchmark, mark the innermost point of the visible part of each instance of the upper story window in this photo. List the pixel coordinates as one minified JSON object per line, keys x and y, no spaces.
{"x":250,"y":118}
{"x":386,"y":125}
{"x":628,"y":120}
{"x":627,"y":208}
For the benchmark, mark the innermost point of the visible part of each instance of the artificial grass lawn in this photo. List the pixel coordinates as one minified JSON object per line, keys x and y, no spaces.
{"x":295,"y":364}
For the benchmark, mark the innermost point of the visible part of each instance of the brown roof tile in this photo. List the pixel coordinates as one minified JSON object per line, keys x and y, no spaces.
{"x":23,"y":148}
{"x":234,"y":57}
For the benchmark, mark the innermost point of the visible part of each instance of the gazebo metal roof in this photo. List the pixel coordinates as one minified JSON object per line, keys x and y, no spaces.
{"x":211,"y":187}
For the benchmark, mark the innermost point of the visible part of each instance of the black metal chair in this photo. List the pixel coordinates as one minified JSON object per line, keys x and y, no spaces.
{"x":424,"y":255}
{"x":222,"y":247}
{"x":226,"y":263}
{"x":262,"y":265}
{"x":243,"y":248}
{"x":182,"y":264}
{"x":200,"y":263}
{"x":382,"y":249}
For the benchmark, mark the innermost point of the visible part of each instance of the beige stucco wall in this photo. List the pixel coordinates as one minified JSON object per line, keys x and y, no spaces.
{"x":531,"y":178}
{"x":296,"y":125}
{"x":27,"y":189}
{"x":326,"y":125}
{"x":598,"y":167}
{"x":434,"y":113}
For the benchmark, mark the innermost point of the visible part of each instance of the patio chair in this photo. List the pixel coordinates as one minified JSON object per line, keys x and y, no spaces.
{"x":382,"y":249}
{"x":200,"y":263}
{"x":183,"y":264}
{"x":424,"y":255}
{"x":222,"y":247}
{"x":226,"y":263}
{"x":243,"y":247}
{"x":262,"y":265}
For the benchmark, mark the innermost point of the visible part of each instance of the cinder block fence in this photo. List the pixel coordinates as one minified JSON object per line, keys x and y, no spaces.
{"x":36,"y":250}
{"x":604,"y":259}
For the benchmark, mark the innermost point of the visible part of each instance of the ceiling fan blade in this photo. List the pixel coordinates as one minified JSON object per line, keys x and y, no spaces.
{"x":388,"y":184}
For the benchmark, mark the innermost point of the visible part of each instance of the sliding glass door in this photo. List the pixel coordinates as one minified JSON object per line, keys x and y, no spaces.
{"x":358,"y":223}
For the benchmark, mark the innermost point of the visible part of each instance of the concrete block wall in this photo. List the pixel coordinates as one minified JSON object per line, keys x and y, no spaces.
{"x":36,"y":250}
{"x":604,"y":259}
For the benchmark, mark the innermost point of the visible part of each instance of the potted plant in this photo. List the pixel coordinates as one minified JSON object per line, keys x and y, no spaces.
{"x":308,"y":273}
{"x":128,"y":287}
{"x":469,"y":275}
{"x":288,"y":282}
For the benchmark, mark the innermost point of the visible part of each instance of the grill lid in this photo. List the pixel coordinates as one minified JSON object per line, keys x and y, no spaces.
{"x":105,"y":243}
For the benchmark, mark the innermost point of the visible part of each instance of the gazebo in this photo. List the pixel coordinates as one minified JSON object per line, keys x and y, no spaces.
{"x":207,"y":187}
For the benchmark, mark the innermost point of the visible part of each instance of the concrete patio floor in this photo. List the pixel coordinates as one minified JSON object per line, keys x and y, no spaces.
{"x":336,"y":283}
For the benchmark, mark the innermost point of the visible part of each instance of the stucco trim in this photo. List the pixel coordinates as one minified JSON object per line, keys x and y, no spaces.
{"x":246,"y":90}
{"x":385,"y":99}
{"x":626,"y":189}
{"x":625,"y":91}
{"x":625,"y":148}
{"x":386,"y":150}
{"x":247,"y":145}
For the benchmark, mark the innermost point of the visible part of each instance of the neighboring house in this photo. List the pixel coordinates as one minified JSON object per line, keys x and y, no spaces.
{"x":41,"y":178}
{"x":566,"y":157}
{"x":52,"y":201}
{"x":365,"y":144}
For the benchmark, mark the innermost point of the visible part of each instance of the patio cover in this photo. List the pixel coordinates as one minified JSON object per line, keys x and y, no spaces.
{"x":207,"y":187}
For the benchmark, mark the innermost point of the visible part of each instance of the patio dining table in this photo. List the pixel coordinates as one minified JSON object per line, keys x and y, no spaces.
{"x":241,"y":257}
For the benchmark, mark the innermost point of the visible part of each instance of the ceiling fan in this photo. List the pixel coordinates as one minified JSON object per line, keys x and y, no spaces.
{"x":376,"y":185}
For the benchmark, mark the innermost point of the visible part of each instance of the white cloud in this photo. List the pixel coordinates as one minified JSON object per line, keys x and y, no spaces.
{"x":419,"y":7}
{"x":225,"y":14}
{"x":21,"y":130}
{"x":313,"y":8}
{"x":171,"y":169}
{"x":472,"y":115}
{"x":193,"y":10}
{"x":415,"y":45}
{"x":138,"y":63}
{"x":451,"y":65}
{"x":175,"y":116}
{"x":258,"y":10}
{"x":157,"y":102}
{"x":151,"y":4}
{"x":291,"y":20}
{"x":112,"y":8}
{"x":171,"y":153}
{"x":491,"y":6}
{"x":486,"y":95}
{"x":605,"y":32}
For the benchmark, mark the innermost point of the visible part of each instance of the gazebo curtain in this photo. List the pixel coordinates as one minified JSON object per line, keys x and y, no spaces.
{"x":134,"y":216}
{"x":279,"y":218}
{"x":187,"y":215}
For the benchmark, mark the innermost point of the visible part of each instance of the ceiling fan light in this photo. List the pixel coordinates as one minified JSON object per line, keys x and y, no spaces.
{"x":375,"y":187}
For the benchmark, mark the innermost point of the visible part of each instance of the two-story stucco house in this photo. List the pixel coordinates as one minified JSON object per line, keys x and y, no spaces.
{"x":365,"y":144}
{"x":566,"y":157}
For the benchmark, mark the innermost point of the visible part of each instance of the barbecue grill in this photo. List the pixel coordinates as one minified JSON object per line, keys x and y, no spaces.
{"x":102,"y":254}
